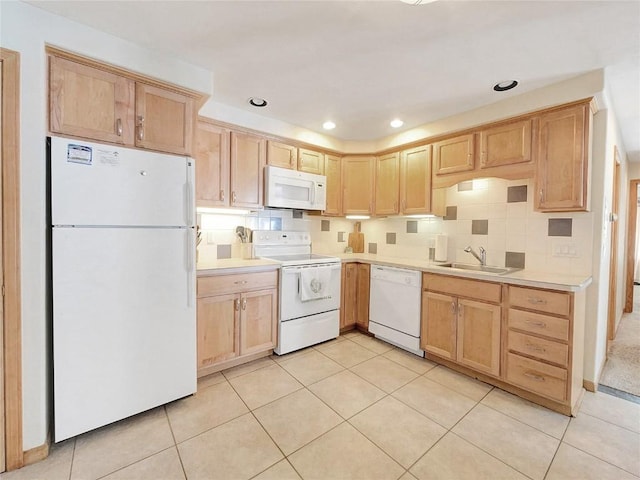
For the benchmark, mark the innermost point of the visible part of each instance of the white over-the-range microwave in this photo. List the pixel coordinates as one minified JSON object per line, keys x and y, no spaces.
{"x":286,"y":188}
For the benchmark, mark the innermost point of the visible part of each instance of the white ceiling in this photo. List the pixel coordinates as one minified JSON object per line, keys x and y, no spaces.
{"x":362,"y":63}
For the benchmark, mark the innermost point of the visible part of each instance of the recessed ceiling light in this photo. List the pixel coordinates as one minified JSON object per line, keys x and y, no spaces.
{"x":328,"y":125}
{"x":257,"y":102}
{"x":504,"y":86}
{"x":397,"y":123}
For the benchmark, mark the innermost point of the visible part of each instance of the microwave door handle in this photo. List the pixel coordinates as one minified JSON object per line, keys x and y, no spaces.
{"x":313,"y":193}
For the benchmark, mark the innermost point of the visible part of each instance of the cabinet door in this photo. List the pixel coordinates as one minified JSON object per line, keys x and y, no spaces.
{"x":479,"y":336}
{"x":438,"y":326}
{"x":332,"y":166}
{"x":561,"y":179}
{"x":212,"y":165}
{"x":282,"y":155}
{"x":310,"y":161}
{"x":218,"y":337}
{"x":415,"y":181}
{"x":387,"y":184}
{"x":248,"y":156}
{"x":505,"y":144}
{"x":164,"y":120}
{"x":358,"y":174}
{"x":258,"y":321}
{"x":348,"y":298}
{"x":362,"y":293}
{"x":87,"y":102}
{"x":454,"y":155}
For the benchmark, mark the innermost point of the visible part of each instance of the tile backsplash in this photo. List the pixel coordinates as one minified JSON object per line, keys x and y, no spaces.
{"x":493,"y":213}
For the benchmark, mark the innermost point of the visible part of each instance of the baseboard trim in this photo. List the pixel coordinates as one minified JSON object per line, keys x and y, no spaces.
{"x":37,"y":454}
{"x":589,"y":386}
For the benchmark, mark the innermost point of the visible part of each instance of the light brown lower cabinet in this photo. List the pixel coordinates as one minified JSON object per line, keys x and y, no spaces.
{"x":465,"y":330}
{"x":528,"y":341}
{"x":354,"y":296}
{"x":237,"y":319}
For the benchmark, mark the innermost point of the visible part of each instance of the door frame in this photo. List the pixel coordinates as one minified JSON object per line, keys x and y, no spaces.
{"x":613,"y":260}
{"x":631,"y":243}
{"x":12,"y":354}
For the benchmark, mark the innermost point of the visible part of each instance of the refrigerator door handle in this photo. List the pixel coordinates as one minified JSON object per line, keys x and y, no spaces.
{"x":189,"y":202}
{"x":190,"y":265}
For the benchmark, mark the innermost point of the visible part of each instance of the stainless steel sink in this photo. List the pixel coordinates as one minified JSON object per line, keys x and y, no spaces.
{"x":480,"y":268}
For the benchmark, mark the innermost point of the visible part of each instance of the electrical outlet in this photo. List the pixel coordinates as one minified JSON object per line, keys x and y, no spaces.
{"x":563,"y":249}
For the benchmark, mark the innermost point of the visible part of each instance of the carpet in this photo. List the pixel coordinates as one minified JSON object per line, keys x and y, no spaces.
{"x":622,"y":370}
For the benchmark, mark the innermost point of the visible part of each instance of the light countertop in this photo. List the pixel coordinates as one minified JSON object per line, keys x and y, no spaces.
{"x":552,"y":281}
{"x":235,"y":265}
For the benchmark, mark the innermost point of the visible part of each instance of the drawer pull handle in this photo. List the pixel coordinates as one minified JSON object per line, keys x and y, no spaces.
{"x":240,"y":282}
{"x":237,"y":304}
{"x":536,"y":348}
{"x":537,"y":378}
{"x":244,"y":304}
{"x":537,"y":301}
{"x":537,"y":323}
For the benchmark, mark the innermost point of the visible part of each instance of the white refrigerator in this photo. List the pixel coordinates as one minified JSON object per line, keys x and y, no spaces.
{"x":123,"y":282}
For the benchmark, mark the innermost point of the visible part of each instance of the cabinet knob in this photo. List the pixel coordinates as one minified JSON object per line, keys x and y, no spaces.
{"x":453,"y":307}
{"x":244,"y":304}
{"x":222,"y":195}
{"x":140,"y":127}
{"x":236,"y":303}
{"x":119,"y":127}
{"x":233,"y":197}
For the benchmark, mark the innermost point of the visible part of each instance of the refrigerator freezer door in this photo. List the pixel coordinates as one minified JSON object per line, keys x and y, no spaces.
{"x":95,"y":184}
{"x":124,"y":330}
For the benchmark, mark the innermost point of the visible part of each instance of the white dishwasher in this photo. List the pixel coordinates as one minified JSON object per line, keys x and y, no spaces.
{"x":394,"y":306}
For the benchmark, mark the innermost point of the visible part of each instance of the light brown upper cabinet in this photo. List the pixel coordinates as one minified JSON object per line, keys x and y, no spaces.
{"x":164,"y":120}
{"x":104,"y":103}
{"x":387,"y":184}
{"x":506,"y":144}
{"x":563,"y":158}
{"x":358,"y":174}
{"x":90,"y":103}
{"x":310,"y":161}
{"x":248,"y":158}
{"x":332,"y":167}
{"x":454,"y":155}
{"x":415,"y":181}
{"x":282,"y":155}
{"x":212,"y":164}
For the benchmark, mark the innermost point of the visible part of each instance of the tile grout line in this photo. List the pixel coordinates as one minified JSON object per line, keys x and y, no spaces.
{"x":173,"y":435}
{"x":555,"y":454}
{"x":607,"y":421}
{"x":591,"y":454}
{"x":518,"y":420}
{"x":73,"y":455}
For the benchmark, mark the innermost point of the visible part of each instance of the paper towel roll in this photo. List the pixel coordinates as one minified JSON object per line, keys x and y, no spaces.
{"x":441,"y":248}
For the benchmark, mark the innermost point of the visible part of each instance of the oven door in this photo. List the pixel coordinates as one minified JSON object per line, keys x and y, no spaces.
{"x":291,"y":304}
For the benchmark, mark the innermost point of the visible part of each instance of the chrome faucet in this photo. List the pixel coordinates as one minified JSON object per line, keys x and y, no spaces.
{"x":482,"y":258}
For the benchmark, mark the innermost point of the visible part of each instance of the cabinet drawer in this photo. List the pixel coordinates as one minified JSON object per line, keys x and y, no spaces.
{"x":222,"y":284}
{"x":462,"y":287}
{"x":537,"y":377}
{"x":558,"y":303}
{"x":539,"y":324}
{"x":539,"y":347}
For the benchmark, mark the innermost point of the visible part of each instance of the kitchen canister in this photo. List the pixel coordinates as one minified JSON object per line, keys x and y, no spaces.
{"x":441,"y":248}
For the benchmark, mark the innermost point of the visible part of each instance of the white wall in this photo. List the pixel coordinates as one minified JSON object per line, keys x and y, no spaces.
{"x":26,"y":29}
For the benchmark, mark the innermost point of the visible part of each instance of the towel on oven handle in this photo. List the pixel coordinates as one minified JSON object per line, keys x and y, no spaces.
{"x":314,"y":283}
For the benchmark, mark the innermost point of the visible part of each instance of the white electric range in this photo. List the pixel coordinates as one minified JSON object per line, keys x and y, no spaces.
{"x":309,"y":296}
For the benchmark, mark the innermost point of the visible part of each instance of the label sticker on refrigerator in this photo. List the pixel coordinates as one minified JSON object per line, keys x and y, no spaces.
{"x":79,"y":154}
{"x":109,"y":157}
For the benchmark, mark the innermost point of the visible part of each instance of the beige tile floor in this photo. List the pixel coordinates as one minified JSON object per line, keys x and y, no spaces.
{"x":354,"y":407}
